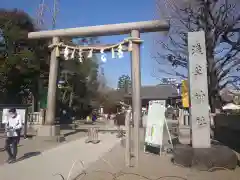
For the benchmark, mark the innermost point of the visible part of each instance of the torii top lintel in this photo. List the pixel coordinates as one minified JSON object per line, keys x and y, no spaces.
{"x":103,"y":30}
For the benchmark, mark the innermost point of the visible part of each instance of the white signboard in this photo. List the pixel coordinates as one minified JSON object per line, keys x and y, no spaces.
{"x":155,"y":123}
{"x":5,"y":114}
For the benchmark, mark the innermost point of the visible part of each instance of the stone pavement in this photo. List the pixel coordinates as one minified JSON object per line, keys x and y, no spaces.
{"x":32,"y":147}
{"x":151,"y":167}
{"x":59,"y":160}
{"x":104,"y":125}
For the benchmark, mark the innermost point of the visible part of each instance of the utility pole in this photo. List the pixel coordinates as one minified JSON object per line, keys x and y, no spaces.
{"x":43,"y":7}
{"x":55,"y":12}
{"x":40,"y":13}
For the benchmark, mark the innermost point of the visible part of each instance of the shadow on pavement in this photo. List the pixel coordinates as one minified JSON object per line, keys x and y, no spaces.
{"x":74,"y":132}
{"x":29,"y":155}
{"x":3,"y":149}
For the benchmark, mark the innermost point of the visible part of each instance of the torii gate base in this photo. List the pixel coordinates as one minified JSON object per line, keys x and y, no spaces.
{"x":135,"y":29}
{"x":50,"y":133}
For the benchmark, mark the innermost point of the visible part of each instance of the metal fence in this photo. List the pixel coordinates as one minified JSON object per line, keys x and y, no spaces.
{"x":35,"y":118}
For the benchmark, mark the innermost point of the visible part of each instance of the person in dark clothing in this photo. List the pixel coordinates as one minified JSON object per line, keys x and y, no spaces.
{"x":13,"y":125}
{"x":11,"y":148}
{"x":18,"y":131}
{"x":94,"y":116}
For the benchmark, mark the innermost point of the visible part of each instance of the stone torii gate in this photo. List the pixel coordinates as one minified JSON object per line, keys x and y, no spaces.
{"x":134,"y":28}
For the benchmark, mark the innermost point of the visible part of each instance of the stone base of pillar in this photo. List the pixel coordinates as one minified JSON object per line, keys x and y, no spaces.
{"x":50,"y":133}
{"x":218,"y":157}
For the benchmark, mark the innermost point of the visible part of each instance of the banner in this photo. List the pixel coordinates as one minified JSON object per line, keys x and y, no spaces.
{"x":155,"y":123}
{"x":185,"y":94}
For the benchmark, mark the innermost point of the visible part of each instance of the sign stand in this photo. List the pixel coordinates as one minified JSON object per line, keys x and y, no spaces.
{"x":169,"y":135}
{"x":156,"y":121}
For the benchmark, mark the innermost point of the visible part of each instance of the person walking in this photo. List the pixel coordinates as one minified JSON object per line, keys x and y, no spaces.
{"x":13,"y":127}
{"x":94,"y":116}
{"x":14,"y":114}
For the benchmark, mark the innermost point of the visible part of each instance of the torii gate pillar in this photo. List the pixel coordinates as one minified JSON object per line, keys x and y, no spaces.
{"x":52,"y":86}
{"x":136,"y":98}
{"x":50,"y":130}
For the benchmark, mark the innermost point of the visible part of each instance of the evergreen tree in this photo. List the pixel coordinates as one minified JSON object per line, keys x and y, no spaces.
{"x":124,"y":83}
{"x":21,"y":60}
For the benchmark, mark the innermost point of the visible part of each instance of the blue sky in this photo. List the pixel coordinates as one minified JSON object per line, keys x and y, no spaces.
{"x":78,"y":13}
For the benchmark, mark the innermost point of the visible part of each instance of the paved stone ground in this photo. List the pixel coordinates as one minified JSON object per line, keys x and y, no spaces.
{"x":99,"y":162}
{"x":59,"y":160}
{"x":32,"y":147}
{"x":150,"y":167}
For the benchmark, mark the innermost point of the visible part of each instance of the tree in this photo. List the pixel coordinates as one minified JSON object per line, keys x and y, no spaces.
{"x":79,"y":81}
{"x":102,"y":88}
{"x":221,"y":22}
{"x":124,"y":83}
{"x":21,"y":60}
{"x":24,"y":67}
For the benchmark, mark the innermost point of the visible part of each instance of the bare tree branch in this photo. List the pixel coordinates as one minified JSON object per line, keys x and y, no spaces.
{"x":221,"y":22}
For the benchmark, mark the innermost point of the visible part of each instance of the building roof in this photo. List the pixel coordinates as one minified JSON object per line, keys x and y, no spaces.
{"x":162,"y":91}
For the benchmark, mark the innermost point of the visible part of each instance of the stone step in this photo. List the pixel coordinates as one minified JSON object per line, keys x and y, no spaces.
{"x":184,"y":134}
{"x":185,"y":140}
{"x":184,"y":127}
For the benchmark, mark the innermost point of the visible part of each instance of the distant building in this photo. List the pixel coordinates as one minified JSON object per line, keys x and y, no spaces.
{"x":166,"y":92}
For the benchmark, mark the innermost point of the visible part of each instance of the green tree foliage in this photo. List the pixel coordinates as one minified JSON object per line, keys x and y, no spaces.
{"x":21,"y":60}
{"x":124,"y":83}
{"x":221,"y":22}
{"x":80,"y":88}
{"x":24,"y":66}
{"x":79,"y":77}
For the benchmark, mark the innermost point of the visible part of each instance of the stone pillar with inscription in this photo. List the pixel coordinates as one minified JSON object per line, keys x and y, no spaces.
{"x":198,"y":85}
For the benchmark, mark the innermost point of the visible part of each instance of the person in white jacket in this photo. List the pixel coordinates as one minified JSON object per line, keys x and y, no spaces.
{"x":13,"y":125}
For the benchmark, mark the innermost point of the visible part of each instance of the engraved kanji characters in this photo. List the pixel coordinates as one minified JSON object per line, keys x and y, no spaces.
{"x":198,"y":70}
{"x":201,"y":121}
{"x":199,"y":96}
{"x":197,"y":49}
